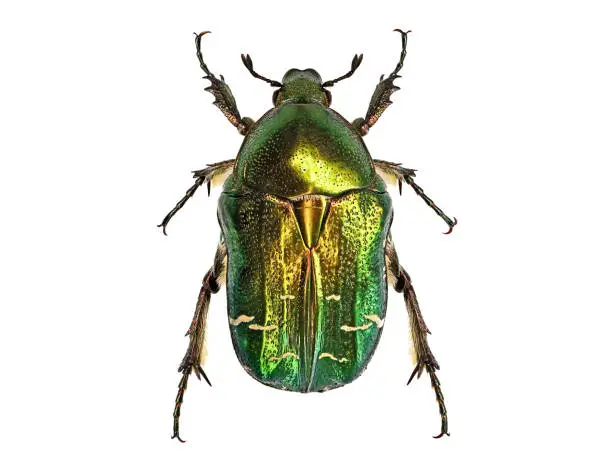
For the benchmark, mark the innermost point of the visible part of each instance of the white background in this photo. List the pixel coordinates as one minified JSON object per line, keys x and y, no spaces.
{"x":505,"y":110}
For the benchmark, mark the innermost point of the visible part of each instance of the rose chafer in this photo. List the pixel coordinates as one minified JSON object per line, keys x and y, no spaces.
{"x":306,"y":249}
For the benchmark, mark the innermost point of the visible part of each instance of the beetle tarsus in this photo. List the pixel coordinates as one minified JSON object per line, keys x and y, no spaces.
{"x":407,"y":175}
{"x":201,"y":176}
{"x":444,"y":430}
{"x":419,"y":191}
{"x":177,"y":405}
{"x":190,"y":192}
{"x":450,"y":227}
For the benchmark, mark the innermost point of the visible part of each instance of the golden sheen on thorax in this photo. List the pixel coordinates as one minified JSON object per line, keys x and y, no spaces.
{"x":298,"y":149}
{"x":313,"y":168}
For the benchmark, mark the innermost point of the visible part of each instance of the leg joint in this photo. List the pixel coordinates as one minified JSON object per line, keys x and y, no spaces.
{"x":210,"y":282}
{"x":401,"y":283}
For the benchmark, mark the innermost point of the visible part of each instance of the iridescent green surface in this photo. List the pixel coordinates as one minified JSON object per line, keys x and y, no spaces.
{"x":298,"y":149}
{"x":299,"y":298}
{"x":305,"y":219}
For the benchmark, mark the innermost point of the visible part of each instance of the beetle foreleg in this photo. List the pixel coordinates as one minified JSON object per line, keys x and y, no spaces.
{"x":425,"y":360}
{"x":202,"y":176}
{"x":398,"y":172}
{"x":224,"y":99}
{"x":195,"y":351}
{"x":381,"y":99}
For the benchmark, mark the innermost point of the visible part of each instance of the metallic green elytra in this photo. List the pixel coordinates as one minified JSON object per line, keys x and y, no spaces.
{"x":306,"y":250}
{"x":316,"y":299}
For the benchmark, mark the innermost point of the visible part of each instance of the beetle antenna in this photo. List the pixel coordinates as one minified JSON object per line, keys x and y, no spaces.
{"x":248,"y":63}
{"x":356,"y":63}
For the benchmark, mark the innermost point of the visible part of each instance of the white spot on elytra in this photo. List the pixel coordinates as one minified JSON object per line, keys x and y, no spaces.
{"x":379,"y":322}
{"x":330,"y":356}
{"x":259,"y":327}
{"x":375,"y":319}
{"x":285,"y":355}
{"x":287,"y":296}
{"x":241,"y":319}
{"x":332,"y":297}
{"x":363,"y":327}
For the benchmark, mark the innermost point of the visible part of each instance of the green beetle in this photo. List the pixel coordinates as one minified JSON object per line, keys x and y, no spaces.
{"x":305,"y":249}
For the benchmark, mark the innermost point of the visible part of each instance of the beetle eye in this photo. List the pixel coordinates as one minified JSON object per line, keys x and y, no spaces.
{"x":274,"y":96}
{"x":328,"y":96}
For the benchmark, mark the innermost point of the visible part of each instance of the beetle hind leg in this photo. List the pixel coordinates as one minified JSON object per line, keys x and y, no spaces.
{"x":192,"y":362}
{"x":425,"y":360}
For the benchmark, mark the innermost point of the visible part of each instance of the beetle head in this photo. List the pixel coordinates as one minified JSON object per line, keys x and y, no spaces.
{"x":302,"y":86}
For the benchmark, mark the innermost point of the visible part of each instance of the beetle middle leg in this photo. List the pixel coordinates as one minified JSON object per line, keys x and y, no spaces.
{"x":202,"y":176}
{"x":194,"y":355}
{"x":425,"y":360}
{"x":396,"y":171}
